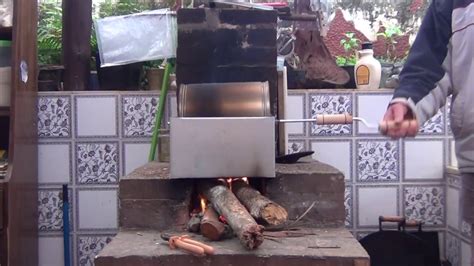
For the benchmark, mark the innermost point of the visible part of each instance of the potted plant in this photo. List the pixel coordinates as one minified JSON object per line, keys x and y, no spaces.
{"x":49,"y":47}
{"x":350,"y":43}
{"x":154,"y":71}
{"x":391,"y":62}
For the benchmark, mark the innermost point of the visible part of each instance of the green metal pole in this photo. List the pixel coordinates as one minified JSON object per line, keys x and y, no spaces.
{"x":160,"y":111}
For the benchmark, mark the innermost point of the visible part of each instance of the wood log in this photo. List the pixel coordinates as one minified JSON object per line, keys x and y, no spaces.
{"x":211,"y":227}
{"x":225,"y":203}
{"x":260,"y":207}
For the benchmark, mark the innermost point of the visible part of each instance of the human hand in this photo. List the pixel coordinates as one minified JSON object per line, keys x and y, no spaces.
{"x":399,"y":122}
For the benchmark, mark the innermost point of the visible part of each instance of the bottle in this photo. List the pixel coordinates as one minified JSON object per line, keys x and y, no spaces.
{"x":367,"y":71}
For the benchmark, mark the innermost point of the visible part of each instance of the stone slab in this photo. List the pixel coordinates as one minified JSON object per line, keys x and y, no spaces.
{"x":142,"y":248}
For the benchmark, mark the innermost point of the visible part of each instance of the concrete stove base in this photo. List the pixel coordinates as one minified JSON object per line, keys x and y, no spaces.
{"x":328,"y":247}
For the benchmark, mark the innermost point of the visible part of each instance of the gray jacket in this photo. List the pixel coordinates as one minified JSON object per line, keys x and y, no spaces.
{"x":441,"y":63}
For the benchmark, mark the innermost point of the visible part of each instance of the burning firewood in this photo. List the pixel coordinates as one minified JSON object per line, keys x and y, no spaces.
{"x":211,"y":227}
{"x":260,"y":207}
{"x":225,"y":203}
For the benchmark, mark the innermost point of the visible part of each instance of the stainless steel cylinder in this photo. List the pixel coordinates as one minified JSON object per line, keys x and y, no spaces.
{"x":239,"y":99}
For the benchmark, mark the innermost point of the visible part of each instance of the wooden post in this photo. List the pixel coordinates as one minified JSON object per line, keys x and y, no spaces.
{"x":77,"y":26}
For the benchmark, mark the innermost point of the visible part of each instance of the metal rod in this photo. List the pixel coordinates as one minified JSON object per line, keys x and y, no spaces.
{"x":296,"y":120}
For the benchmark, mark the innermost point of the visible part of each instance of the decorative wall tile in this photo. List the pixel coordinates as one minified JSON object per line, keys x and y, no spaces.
{"x":371,"y":107}
{"x":139,"y":115}
{"x":135,"y":155}
{"x":435,"y":125}
{"x":466,"y":229}
{"x":425,"y":203}
{"x":454,"y":180}
{"x":453,"y":249}
{"x":88,"y":246}
{"x":50,"y":210}
{"x":54,"y":163}
{"x":326,"y":103}
{"x":348,"y":199}
{"x":96,"y":116}
{"x":337,"y":153}
{"x":296,"y":146}
{"x":377,"y":160}
{"x":453,"y":210}
{"x":423,"y":159}
{"x":373,"y":201}
{"x":296,"y":109}
{"x":97,"y":209}
{"x":97,"y":163}
{"x":54,"y":117}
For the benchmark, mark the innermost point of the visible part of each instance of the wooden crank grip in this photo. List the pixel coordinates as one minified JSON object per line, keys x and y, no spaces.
{"x":333,"y":119}
{"x":207,"y":249}
{"x":410,"y":125}
{"x":393,"y":219}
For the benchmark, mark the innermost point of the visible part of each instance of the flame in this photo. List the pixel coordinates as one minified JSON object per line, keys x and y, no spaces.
{"x":245,"y":179}
{"x":203,"y":204}
{"x":229,"y":183}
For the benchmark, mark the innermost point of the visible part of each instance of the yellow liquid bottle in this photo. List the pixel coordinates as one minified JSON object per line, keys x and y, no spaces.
{"x":367,"y":71}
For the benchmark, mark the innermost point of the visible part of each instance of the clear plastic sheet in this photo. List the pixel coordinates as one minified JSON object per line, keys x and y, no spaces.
{"x":139,"y":37}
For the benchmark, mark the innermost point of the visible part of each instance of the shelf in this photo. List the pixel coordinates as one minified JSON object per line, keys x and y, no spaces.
{"x":4,"y":111}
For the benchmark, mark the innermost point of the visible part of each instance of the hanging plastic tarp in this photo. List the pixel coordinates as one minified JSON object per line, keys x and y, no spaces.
{"x":145,"y":36}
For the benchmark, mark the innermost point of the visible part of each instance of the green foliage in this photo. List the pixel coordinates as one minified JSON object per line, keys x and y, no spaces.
{"x":49,"y":34}
{"x":390,"y":36}
{"x":350,"y":43}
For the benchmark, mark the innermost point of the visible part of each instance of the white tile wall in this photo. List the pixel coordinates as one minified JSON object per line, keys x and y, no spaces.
{"x":54,"y":163}
{"x":452,"y":201}
{"x":96,"y":116}
{"x":51,"y":251}
{"x":335,"y":153}
{"x":466,"y":254}
{"x":372,"y":109}
{"x":424,"y":159}
{"x":135,"y":155}
{"x":375,"y":201}
{"x":295,"y":110}
{"x":453,"y":161}
{"x":97,"y":209}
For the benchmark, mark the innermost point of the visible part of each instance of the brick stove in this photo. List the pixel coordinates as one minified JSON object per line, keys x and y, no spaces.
{"x":217,"y":45}
{"x":151,"y":202}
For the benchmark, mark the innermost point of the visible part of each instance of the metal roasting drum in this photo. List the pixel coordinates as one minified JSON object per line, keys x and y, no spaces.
{"x":238,"y":99}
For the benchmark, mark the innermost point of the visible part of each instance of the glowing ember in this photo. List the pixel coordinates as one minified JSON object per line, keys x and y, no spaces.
{"x":203,"y":204}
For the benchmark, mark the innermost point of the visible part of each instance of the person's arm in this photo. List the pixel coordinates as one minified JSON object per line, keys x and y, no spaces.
{"x":424,"y":80}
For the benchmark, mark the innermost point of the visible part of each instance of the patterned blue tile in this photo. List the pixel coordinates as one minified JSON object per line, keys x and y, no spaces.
{"x":435,"y":125}
{"x":54,"y":117}
{"x":138,"y":115}
{"x":50,"y":210}
{"x":453,"y":249}
{"x":377,"y":160}
{"x":296,"y":146}
{"x":348,"y":199}
{"x":466,"y":230}
{"x":88,"y":246}
{"x":325,"y":103}
{"x":97,"y":163}
{"x":425,"y":204}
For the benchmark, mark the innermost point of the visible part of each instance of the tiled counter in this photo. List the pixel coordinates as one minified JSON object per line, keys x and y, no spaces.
{"x":90,"y":139}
